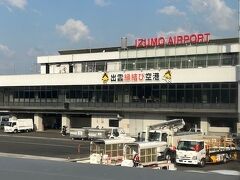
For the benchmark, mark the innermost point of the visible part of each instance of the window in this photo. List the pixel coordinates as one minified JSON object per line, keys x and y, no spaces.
{"x":164,"y":137}
{"x":71,"y":68}
{"x":200,"y":61}
{"x":123,"y":65}
{"x":131,"y":65}
{"x":188,"y":61}
{"x":151,"y":63}
{"x":100,"y":66}
{"x":162,"y":63}
{"x":113,"y":123}
{"x":213,"y":60}
{"x":190,"y":145}
{"x":88,"y":67}
{"x":175,"y":62}
{"x":141,"y":64}
{"x":47,"y":68}
{"x":227,"y":59}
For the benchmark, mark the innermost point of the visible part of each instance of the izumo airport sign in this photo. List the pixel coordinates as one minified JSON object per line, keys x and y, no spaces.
{"x":172,"y":40}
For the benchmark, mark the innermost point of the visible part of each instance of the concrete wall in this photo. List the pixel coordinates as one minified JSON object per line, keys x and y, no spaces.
{"x":101,"y":120}
{"x":38,"y":122}
{"x":204,"y":125}
{"x":139,"y":122}
{"x":141,"y":53}
{"x":195,"y":75}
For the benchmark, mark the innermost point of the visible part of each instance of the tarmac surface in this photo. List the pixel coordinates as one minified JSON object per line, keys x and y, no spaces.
{"x":51,"y":133}
{"x":46,"y":144}
{"x":52,"y":145}
{"x":22,"y":169}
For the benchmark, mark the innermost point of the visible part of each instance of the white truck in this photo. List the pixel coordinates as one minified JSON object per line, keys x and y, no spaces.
{"x":207,"y":150}
{"x":19,"y":125}
{"x":167,"y":131}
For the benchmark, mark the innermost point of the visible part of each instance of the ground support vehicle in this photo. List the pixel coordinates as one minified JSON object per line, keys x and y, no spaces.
{"x":206,"y":150}
{"x":79,"y":133}
{"x":168,"y":131}
{"x":108,"y":151}
{"x":95,"y":133}
{"x":19,"y":125}
{"x":148,"y":155}
{"x":88,"y":133}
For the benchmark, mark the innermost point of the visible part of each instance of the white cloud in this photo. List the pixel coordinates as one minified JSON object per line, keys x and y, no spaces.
{"x":171,"y":11}
{"x":75,"y":30}
{"x":21,"y":4}
{"x":216,"y":13}
{"x":4,"y":50}
{"x":34,"y":52}
{"x":178,"y":31}
{"x":131,"y":37}
{"x":102,"y":3}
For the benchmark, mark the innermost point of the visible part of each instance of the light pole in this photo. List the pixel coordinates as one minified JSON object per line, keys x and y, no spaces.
{"x":238,"y":32}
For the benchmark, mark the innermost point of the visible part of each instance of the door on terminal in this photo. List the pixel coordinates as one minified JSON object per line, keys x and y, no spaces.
{"x":224,"y":122}
{"x":78,"y":121}
{"x":52,"y":121}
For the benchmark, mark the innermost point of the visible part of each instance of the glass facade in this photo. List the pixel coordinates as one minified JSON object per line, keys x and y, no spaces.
{"x":139,"y":95}
{"x":180,"y":62}
{"x":167,"y":62}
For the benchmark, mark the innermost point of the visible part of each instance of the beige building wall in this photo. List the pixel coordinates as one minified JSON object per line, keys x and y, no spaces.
{"x":139,"y":122}
{"x":102,"y":121}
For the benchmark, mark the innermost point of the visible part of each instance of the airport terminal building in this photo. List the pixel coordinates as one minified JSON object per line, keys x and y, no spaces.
{"x":190,"y":77}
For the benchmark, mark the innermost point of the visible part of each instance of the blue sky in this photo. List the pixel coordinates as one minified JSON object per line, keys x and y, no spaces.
{"x":31,"y":28}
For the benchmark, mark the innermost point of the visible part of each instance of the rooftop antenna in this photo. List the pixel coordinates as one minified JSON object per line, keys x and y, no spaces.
{"x":124,"y":42}
{"x":90,"y":45}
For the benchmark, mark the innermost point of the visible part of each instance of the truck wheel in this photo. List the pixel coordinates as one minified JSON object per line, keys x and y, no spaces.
{"x":15,"y":131}
{"x":202,"y":163}
{"x":167,"y":155}
{"x":224,"y":159}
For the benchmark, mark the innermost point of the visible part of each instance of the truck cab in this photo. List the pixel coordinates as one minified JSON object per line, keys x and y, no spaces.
{"x":156,"y":135}
{"x":191,"y":152}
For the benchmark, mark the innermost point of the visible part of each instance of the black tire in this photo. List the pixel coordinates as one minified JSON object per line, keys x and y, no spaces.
{"x":15,"y":131}
{"x":202,"y":163}
{"x":224,"y":159}
{"x":170,"y":156}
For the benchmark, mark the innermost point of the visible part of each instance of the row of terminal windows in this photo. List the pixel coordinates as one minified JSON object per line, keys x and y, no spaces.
{"x":181,"y":62}
{"x":167,"y":62}
{"x":152,"y":93}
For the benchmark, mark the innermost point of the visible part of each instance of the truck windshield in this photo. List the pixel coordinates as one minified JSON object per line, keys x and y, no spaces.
{"x":188,"y":145}
{"x":154,"y":136}
{"x":9,"y":124}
